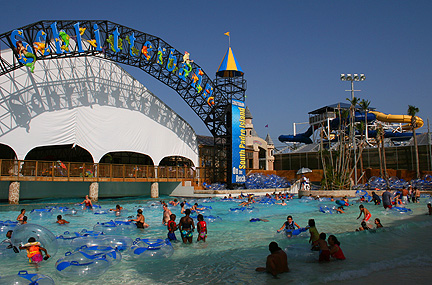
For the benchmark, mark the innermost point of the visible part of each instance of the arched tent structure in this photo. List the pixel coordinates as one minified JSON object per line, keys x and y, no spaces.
{"x":92,"y":103}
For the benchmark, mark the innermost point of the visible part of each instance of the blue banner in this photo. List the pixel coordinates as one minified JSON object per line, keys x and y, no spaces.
{"x":238,"y":111}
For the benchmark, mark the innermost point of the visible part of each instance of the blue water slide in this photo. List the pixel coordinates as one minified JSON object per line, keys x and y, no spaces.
{"x":301,"y":138}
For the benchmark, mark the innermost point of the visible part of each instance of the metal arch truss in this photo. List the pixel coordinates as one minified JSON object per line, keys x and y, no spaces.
{"x":46,"y":40}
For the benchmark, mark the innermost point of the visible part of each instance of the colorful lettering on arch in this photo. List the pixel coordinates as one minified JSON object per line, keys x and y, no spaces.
{"x":146,"y":49}
{"x":23,"y":50}
{"x":40,"y":45}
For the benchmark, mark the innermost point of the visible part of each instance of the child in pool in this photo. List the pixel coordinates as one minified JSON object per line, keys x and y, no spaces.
{"x":378,"y":223}
{"x":314,"y":236}
{"x":172,"y":227}
{"x":324,"y":254}
{"x":367,"y":214}
{"x":201,"y":228}
{"x":289,"y":224}
{"x":61,"y":221}
{"x":34,"y":249}
{"x":335,"y":250}
{"x":340,"y":210}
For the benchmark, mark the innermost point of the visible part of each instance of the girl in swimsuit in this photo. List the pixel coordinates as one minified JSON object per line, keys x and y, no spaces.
{"x":335,"y":250}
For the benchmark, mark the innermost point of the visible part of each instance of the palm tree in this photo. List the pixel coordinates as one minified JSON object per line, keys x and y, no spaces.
{"x":364,"y":105}
{"x":412,"y":111}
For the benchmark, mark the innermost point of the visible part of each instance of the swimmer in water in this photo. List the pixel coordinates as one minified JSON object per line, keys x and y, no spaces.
{"x":340,"y":210}
{"x":61,"y":221}
{"x":363,"y":227}
{"x":140,"y":220}
{"x":282,"y":204}
{"x":324,"y":254}
{"x":258,"y":220}
{"x":87,"y":202}
{"x":289,"y":225}
{"x":277,"y":261}
{"x":378,"y":223}
{"x":429,"y":206}
{"x":21,"y":215}
{"x":117,"y":210}
{"x":34,"y":251}
{"x":367,"y":214}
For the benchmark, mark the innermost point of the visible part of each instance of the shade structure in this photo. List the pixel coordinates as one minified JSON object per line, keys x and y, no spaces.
{"x":304,"y":170}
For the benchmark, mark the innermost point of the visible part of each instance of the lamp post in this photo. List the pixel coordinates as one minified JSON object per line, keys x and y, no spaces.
{"x":356,"y":77}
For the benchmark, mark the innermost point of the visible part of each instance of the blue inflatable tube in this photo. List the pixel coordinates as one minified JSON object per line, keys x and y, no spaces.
{"x":295,"y":232}
{"x":23,"y":277}
{"x":152,"y":248}
{"x":326,"y":210}
{"x":342,"y":203}
{"x":81,"y":265}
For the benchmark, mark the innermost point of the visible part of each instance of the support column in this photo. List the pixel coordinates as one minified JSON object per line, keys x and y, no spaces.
{"x":154,"y":190}
{"x":94,"y":191}
{"x":14,"y":190}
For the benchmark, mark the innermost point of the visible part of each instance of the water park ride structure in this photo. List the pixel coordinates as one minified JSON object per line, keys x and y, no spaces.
{"x":328,"y":118}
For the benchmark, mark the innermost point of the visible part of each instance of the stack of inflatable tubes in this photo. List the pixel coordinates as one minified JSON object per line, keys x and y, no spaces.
{"x":294,"y":232}
{"x":23,"y":277}
{"x":152,"y":248}
{"x":121,"y":243}
{"x":81,"y":264}
{"x":244,"y":210}
{"x":115,"y":227}
{"x":47,"y":239}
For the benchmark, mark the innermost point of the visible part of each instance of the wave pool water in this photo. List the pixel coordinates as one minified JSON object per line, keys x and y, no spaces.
{"x":235,"y":246}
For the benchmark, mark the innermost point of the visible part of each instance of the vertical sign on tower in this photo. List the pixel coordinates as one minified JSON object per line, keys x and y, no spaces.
{"x":238,"y":111}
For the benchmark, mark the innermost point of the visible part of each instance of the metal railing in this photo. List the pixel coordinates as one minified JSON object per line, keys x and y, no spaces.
{"x":36,"y":170}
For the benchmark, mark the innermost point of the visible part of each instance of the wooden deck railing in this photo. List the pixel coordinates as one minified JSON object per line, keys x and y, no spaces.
{"x":36,"y":170}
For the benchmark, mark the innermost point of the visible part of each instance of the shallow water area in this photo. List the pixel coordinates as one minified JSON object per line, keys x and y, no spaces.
{"x":235,"y":246}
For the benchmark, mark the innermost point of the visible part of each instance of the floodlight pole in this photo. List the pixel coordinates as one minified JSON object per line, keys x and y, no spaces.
{"x":351,"y":78}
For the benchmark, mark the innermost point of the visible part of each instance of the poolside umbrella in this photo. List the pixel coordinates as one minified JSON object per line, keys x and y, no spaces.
{"x":304,"y":170}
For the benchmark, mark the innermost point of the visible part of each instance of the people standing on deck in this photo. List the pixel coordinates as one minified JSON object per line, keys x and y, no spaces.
{"x":386,"y":198}
{"x":166,"y":214}
{"x":416,"y":195}
{"x":277,"y":261}
{"x":367,"y":214}
{"x":21,"y":216}
{"x":186,"y":227}
{"x":140,"y":220}
{"x":405,"y":193}
{"x":87,"y":203}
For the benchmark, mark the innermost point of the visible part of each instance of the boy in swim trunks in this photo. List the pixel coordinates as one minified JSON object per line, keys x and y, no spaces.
{"x":201,"y":228}
{"x":172,"y":227}
{"x":324,"y":254}
{"x":367,"y":214}
{"x":186,"y":227}
{"x":34,"y":249}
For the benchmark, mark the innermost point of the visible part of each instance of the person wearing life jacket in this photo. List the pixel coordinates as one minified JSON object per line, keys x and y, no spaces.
{"x":201,"y":228}
{"x":34,"y":249}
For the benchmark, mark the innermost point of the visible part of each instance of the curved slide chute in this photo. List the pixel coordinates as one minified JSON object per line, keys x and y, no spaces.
{"x":404,"y":119}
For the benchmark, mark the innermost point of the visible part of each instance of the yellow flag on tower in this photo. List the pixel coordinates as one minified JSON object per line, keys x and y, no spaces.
{"x":227,"y":34}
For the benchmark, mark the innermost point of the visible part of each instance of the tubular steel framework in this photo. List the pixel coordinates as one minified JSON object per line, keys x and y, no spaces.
{"x":210,"y":100}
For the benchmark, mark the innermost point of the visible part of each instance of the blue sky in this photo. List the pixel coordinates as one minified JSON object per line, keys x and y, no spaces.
{"x":292,"y":52}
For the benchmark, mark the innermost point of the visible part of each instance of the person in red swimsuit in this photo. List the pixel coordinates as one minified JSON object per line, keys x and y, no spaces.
{"x":367,"y":214}
{"x":335,"y":250}
{"x":202,"y":228}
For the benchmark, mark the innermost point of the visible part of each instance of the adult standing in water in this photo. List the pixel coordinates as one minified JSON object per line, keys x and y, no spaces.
{"x":140,"y":220}
{"x":166,"y":214}
{"x":186,"y":227}
{"x":87,"y":203}
{"x":277,"y":261}
{"x":386,"y":198}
